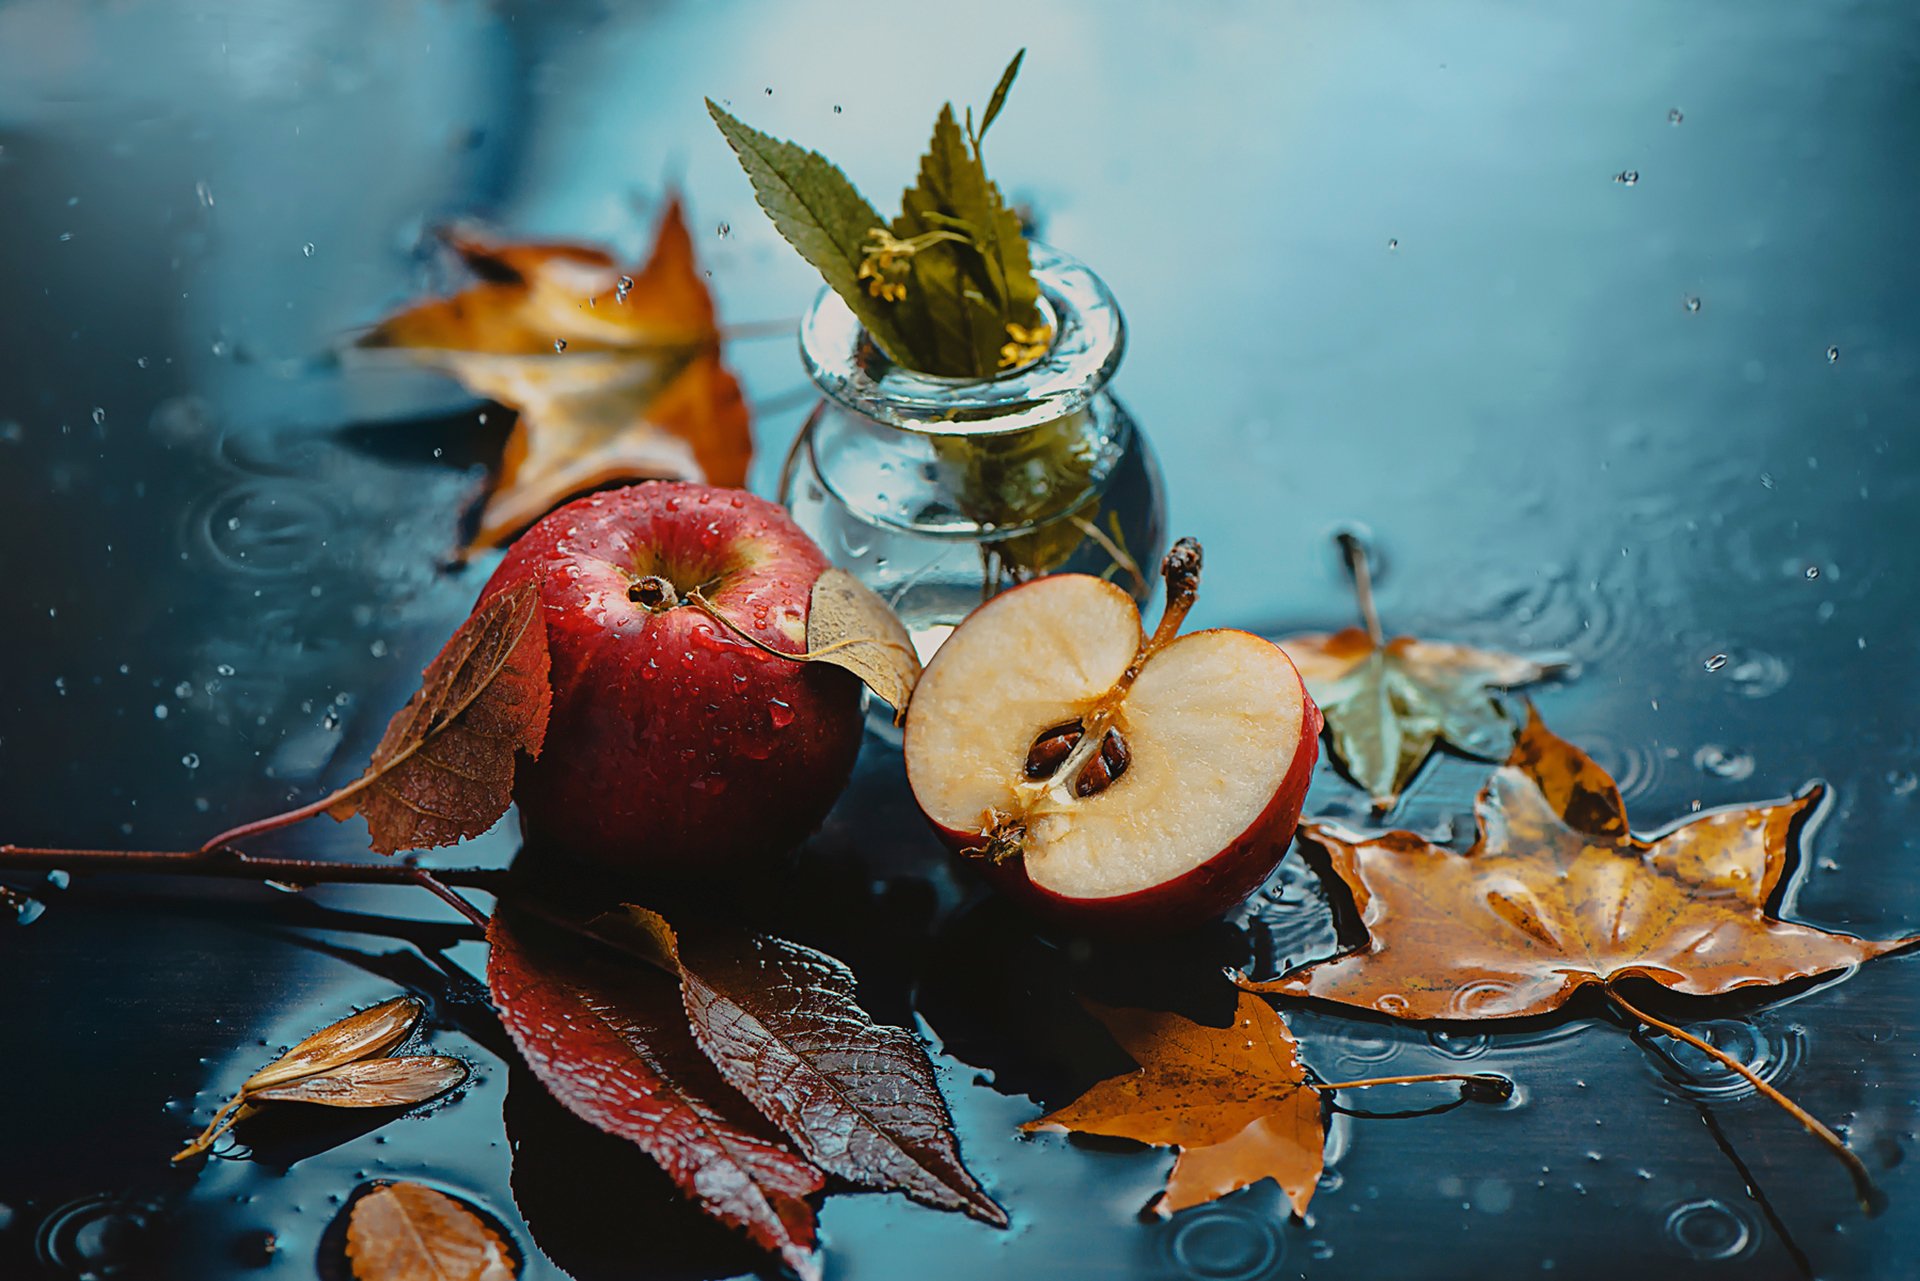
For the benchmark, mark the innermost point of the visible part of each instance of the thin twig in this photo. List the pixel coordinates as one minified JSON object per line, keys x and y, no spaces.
{"x":428,"y":881}
{"x":234,"y":865}
{"x":1862,"y":1179}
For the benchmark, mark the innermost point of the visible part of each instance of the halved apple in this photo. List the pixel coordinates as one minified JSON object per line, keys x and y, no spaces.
{"x":1106,"y":778}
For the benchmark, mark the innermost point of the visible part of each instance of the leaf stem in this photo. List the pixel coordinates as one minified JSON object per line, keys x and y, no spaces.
{"x":234,"y":865}
{"x":1354,"y":552}
{"x":1862,"y":1179}
{"x":433,"y":885}
{"x":274,"y":822}
{"x":712,"y":611}
{"x":1490,"y":1079}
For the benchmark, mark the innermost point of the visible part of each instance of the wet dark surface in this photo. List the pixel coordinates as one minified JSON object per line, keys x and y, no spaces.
{"x":1381,"y":265}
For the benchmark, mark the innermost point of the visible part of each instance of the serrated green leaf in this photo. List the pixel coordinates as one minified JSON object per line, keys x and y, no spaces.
{"x":820,"y":213}
{"x":954,"y":195}
{"x":999,"y":98}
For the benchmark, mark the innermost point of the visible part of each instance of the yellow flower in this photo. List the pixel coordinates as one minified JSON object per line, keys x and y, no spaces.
{"x":1028,"y":344}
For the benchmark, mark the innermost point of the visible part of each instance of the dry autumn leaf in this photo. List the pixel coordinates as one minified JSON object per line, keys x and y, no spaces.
{"x":444,"y":769}
{"x":779,"y":1020}
{"x":1556,"y":894}
{"x":1234,"y":1100}
{"x":616,"y":377}
{"x":610,"y":1041}
{"x":1388,"y":702}
{"x":342,"y":1065}
{"x":409,"y":1232}
{"x":848,"y":626}
{"x":377,"y":1083}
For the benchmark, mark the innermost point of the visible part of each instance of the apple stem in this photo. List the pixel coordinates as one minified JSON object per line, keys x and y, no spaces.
{"x":1862,"y":1179}
{"x":1181,"y":569}
{"x":1354,"y":552}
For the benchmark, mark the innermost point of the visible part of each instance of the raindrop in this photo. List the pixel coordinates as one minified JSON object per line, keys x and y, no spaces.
{"x":1813,"y":571}
{"x":836,"y":108}
{"x":1393,"y":244}
{"x":559,"y":345}
{"x":159,"y":711}
{"x":1674,"y":116}
{"x":23,"y":909}
{"x":306,"y":250}
{"x":1693,"y":302}
{"x":191,"y":760}
{"x":622,"y":288}
{"x":183,"y":690}
{"x":780,"y":713}
{"x":1627,"y":177}
{"x":1722,"y":762}
{"x":1833,"y":355}
{"x":224,"y":669}
{"x":1903,"y":782}
{"x":99,"y":416}
{"x":1766,"y":479}
{"x":204,"y":192}
{"x":1709,"y":1229}
{"x":1717,"y":662}
{"x":725,"y":230}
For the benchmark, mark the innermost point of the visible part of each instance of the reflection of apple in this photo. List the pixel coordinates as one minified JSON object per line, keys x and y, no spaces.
{"x":1183,"y":805}
{"x":676,"y":747}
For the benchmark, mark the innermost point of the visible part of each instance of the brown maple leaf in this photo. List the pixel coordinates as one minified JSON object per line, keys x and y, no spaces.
{"x":1234,"y":1100}
{"x":616,"y":377}
{"x":1389,"y":702}
{"x":1556,"y":893}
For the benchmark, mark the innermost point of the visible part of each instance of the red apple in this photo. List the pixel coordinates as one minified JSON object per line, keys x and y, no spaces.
{"x":675,"y":747}
{"x":1181,"y":807}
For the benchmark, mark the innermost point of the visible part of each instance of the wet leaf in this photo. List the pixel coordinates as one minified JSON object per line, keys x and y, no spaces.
{"x":848,"y":626}
{"x":1388,"y":702}
{"x":1235,"y":1101}
{"x":610,"y":1041}
{"x":616,"y":377}
{"x":409,"y":1232}
{"x":820,"y":213}
{"x":350,"y":1046}
{"x":368,"y":1034}
{"x":1556,"y":893}
{"x":780,"y":1021}
{"x":444,"y":769}
{"x":377,"y":1083}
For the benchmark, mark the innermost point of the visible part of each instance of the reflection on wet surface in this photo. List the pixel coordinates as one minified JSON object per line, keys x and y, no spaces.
{"x":1661,"y":423}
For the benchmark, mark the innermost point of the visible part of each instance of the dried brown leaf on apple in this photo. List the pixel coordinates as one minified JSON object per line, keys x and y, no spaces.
{"x":344,"y":1047}
{"x":616,"y":376}
{"x":376,"y":1083}
{"x":609,"y":1039}
{"x":1235,"y":1101}
{"x":848,"y":626}
{"x":1557,"y":894}
{"x":444,"y":770}
{"x":1388,"y":702}
{"x":780,"y":1021}
{"x":409,"y":1232}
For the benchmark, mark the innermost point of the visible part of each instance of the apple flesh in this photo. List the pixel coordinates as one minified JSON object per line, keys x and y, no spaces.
{"x":676,"y":748}
{"x":1186,"y":806}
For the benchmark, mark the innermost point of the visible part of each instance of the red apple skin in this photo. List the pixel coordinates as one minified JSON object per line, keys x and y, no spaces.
{"x":1203,"y":894}
{"x":675,"y":748}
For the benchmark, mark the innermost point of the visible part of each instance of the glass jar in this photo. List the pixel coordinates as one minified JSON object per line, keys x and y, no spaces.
{"x":939,"y":492}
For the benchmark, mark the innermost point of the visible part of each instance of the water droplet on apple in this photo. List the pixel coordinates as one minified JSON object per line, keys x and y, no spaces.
{"x":780,"y":713}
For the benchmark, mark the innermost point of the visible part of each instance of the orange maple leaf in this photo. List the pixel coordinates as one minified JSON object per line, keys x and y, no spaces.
{"x":1234,"y":1100}
{"x":616,"y":377}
